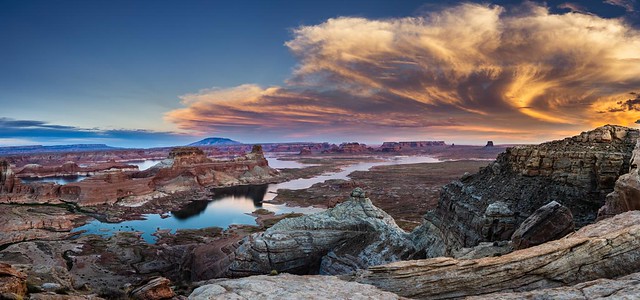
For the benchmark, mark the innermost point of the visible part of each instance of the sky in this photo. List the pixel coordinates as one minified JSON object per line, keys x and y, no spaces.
{"x":159,"y":73}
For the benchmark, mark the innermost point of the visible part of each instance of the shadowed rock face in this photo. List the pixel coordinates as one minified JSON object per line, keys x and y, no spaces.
{"x":607,"y":249}
{"x":353,"y":235}
{"x":578,"y":172}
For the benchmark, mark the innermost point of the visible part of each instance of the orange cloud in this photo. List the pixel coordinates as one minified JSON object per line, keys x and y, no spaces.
{"x":467,"y":67}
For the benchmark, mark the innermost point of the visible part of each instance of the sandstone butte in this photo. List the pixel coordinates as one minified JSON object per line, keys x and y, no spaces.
{"x":187,"y":169}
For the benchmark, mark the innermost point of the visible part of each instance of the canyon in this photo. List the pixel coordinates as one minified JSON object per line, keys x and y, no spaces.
{"x":553,"y":219}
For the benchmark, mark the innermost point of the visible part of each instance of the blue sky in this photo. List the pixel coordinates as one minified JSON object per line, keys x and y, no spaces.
{"x":116,"y":71}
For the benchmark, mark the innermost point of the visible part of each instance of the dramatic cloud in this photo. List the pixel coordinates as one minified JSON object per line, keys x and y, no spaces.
{"x":519,"y":75}
{"x":22,"y":132}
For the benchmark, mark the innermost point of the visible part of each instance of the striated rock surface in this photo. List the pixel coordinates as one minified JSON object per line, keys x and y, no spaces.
{"x":349,"y":148}
{"x":607,"y":249}
{"x":488,"y":206}
{"x":547,"y":223}
{"x":626,"y":194}
{"x":23,"y":223}
{"x":626,"y":287}
{"x":288,"y":287}
{"x":155,"y":289}
{"x":352,"y":235}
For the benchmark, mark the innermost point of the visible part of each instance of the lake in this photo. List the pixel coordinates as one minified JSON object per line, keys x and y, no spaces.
{"x":232,"y":205}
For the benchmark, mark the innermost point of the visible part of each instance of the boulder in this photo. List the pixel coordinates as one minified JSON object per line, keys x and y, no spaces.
{"x":549,"y":222}
{"x":607,"y":249}
{"x":352,"y":235}
{"x":286,"y":286}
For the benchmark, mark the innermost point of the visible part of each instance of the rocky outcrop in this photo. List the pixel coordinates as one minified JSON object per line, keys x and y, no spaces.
{"x":187,"y":170}
{"x":154,"y":289}
{"x":403,"y":146}
{"x":286,"y":286}
{"x":352,"y":235}
{"x":12,"y":282}
{"x":548,"y":223}
{"x":488,"y":206}
{"x":626,"y":287}
{"x":24,"y":223}
{"x":626,"y":194}
{"x":607,"y":249}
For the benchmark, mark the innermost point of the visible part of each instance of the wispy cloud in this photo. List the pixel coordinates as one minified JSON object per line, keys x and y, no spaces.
{"x":23,"y":132}
{"x":468,"y":68}
{"x":628,"y":5}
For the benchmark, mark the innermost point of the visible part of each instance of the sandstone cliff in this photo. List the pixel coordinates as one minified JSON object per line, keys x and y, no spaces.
{"x":578,"y":172}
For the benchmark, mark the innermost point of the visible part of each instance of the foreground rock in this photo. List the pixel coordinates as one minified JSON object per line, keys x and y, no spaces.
{"x":287,"y":286}
{"x":353,"y":235}
{"x":627,"y":287}
{"x":155,"y":289}
{"x":489,"y":206}
{"x":607,"y":249}
{"x":548,"y":223}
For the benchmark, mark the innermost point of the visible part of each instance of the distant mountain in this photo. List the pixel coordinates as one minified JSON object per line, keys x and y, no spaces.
{"x":57,"y":148}
{"x":215,"y":141}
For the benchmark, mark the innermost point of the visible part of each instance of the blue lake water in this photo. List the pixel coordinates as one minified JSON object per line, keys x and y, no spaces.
{"x":55,"y":179}
{"x":232,"y":205}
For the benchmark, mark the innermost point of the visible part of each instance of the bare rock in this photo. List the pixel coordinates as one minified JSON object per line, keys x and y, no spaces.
{"x":627,"y":287}
{"x":352,"y":235}
{"x":12,"y":282}
{"x":579,"y":171}
{"x":286,"y":286}
{"x":155,"y":289}
{"x":549,"y":222}
{"x":607,"y":249}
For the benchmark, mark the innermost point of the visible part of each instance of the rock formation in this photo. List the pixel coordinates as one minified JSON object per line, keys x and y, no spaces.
{"x":400,"y":146}
{"x":157,"y":288}
{"x":489,"y":144}
{"x":626,"y":194}
{"x":607,"y":249}
{"x":626,"y":287}
{"x":547,"y":223}
{"x":187,"y":169}
{"x":13,"y":284}
{"x":352,"y":235}
{"x":288,"y":287}
{"x":349,"y":148}
{"x":488,"y":206}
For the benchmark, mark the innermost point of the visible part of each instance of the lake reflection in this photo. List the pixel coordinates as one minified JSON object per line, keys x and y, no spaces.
{"x":55,"y":179}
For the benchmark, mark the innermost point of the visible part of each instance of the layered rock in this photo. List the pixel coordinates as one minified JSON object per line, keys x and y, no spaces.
{"x":352,"y":235}
{"x":286,"y":286}
{"x":154,"y":289}
{"x":23,"y":223}
{"x":488,"y":206}
{"x":400,"y":146}
{"x":12,"y":282}
{"x":188,"y":169}
{"x":626,"y":287}
{"x":626,"y":193}
{"x":607,"y":249}
{"x":548,"y":223}
{"x":353,"y":147}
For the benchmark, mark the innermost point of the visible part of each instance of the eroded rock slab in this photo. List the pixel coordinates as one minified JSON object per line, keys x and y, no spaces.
{"x":286,"y":286}
{"x":547,"y":223}
{"x":607,"y":249}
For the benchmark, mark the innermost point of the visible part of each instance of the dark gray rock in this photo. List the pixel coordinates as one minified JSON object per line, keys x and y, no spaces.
{"x":547,"y":223}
